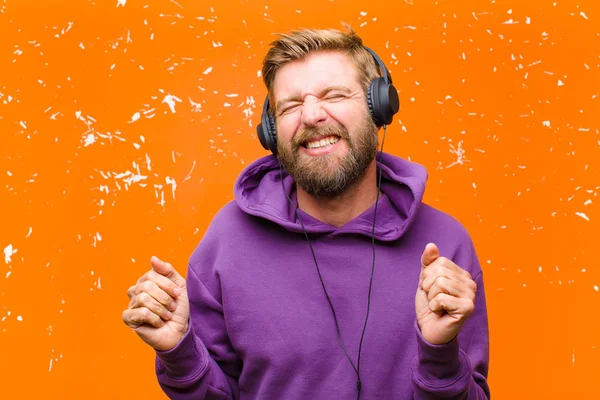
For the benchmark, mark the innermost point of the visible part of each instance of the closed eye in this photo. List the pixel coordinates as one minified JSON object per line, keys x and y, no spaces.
{"x":288,"y":109}
{"x":335,"y":97}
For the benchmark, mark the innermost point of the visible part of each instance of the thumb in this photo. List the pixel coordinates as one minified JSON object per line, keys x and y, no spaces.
{"x":430,"y":254}
{"x":166,"y":269}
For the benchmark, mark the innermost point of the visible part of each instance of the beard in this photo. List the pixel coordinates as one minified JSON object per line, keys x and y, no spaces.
{"x":329,"y":175}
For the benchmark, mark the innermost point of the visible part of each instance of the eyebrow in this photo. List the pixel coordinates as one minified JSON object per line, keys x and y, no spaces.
{"x":323,"y":92}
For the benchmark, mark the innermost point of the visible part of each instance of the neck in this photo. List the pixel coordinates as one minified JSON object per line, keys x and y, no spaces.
{"x":339,"y":210}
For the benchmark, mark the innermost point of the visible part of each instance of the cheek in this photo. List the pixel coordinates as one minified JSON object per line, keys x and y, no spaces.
{"x":286,"y":126}
{"x":348,"y":117}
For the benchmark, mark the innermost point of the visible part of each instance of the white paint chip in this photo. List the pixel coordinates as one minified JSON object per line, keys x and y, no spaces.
{"x":582,"y":215}
{"x":207,"y":71}
{"x":170,"y":100}
{"x":135,"y":117}
{"x":89,"y":140}
{"x":171,"y":181}
{"x":8,"y":252}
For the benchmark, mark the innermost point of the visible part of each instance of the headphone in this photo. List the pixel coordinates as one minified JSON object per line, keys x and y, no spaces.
{"x":382,"y":99}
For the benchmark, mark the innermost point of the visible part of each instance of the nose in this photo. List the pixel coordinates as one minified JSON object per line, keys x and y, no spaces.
{"x":313,"y":112}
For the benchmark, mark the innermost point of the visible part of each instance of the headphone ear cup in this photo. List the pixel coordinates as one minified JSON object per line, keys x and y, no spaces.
{"x":370,"y":97}
{"x":266,"y":130}
{"x":262,"y":137}
{"x":272,"y":136}
{"x":383,"y":101}
{"x":391,"y":105}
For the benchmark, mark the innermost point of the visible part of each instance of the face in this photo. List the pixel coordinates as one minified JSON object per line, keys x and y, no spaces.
{"x":326,"y":138}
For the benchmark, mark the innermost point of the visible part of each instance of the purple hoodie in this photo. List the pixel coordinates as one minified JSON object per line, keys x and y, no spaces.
{"x":261,"y":327}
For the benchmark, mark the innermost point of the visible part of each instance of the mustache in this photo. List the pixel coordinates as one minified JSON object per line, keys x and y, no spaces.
{"x":311,"y":133}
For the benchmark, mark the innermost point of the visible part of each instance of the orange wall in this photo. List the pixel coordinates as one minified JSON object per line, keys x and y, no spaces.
{"x":500,"y":101}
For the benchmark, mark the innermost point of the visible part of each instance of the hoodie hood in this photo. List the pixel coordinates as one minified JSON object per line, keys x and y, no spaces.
{"x":258,"y":191}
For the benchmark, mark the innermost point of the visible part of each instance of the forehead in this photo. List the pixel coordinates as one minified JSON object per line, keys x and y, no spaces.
{"x":315,"y":72}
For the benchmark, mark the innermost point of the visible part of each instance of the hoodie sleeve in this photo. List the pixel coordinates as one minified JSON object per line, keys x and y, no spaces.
{"x":457,"y":370}
{"x":203,"y":365}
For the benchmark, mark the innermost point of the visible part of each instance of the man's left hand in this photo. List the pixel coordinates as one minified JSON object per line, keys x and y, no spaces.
{"x":445,"y":297}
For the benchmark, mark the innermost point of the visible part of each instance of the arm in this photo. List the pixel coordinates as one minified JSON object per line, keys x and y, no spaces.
{"x":203,"y":365}
{"x":457,"y":369}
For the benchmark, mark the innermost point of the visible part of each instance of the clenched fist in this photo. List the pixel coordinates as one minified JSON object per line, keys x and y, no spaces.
{"x":445,"y":298}
{"x":159,"y":309}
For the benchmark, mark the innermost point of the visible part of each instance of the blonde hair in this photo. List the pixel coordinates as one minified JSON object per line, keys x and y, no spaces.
{"x":298,"y":44}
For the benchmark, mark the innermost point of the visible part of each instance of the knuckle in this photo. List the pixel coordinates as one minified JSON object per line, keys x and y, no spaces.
{"x":443,"y":281}
{"x":473,"y":286}
{"x":143,"y":298}
{"x":133,"y":319}
{"x":444,"y":261}
{"x":440,"y":270}
{"x":148,"y":285}
{"x":143,"y":278}
{"x":435,"y":285}
{"x":470,"y":307}
{"x":472,"y":298}
{"x":156,"y":309}
{"x":144,"y":313}
{"x":165,"y":299}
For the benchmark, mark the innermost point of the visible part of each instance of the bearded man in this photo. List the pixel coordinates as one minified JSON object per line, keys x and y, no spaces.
{"x":327,"y":277}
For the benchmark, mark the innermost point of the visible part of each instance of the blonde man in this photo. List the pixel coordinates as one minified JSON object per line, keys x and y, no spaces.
{"x":324,"y":278}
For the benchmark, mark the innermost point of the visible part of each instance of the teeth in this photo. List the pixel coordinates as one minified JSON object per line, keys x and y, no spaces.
{"x":323,"y":142}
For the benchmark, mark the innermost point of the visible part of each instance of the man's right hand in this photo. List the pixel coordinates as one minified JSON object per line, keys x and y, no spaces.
{"x":159,"y":309}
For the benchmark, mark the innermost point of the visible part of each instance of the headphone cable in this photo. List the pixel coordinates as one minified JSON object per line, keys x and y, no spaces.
{"x":337,"y":326}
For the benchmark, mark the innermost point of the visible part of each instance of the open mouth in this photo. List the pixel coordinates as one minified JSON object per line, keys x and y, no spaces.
{"x":322,"y":142}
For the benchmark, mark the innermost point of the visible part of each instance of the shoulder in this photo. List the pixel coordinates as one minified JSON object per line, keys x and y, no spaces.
{"x":449,"y":234}
{"x":229,"y":230}
{"x":442,"y":222}
{"x":226,"y":222}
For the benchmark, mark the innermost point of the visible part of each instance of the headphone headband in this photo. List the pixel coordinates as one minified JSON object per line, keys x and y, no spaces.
{"x":384,"y":72}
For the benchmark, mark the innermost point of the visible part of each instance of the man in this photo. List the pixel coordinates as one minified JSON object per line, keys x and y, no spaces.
{"x":284,"y":297}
